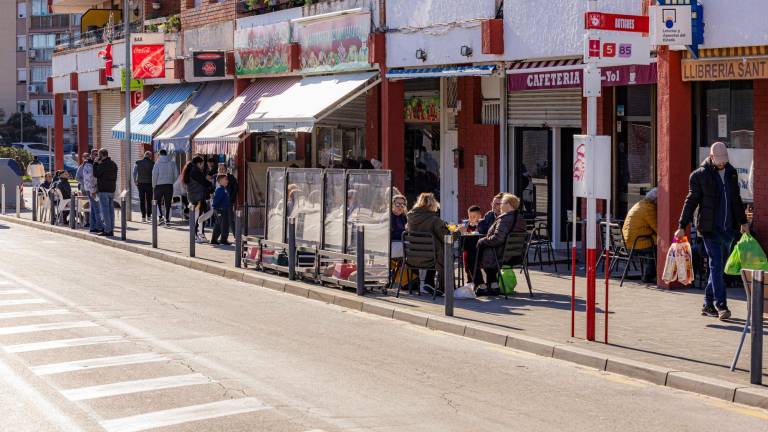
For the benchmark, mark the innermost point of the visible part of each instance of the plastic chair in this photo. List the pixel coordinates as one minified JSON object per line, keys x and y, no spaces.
{"x":419,"y":253}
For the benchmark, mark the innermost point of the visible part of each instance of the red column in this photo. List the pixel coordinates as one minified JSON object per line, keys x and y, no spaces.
{"x":82,"y":124}
{"x":58,"y":131}
{"x":760,"y":218}
{"x":674,"y":138}
{"x":393,"y":130}
{"x":373,"y":124}
{"x":243,"y":148}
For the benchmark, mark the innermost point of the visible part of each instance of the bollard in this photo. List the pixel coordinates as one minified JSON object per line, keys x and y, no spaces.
{"x":192,"y":232}
{"x":18,"y":202}
{"x":52,"y":207}
{"x":154,"y":224}
{"x":2,"y":197}
{"x":238,"y":239}
{"x":756,"y":321}
{"x":123,"y":218}
{"x":448,"y":274}
{"x":34,"y":204}
{"x":73,"y":211}
{"x":360,"y":255}
{"x":292,"y":248}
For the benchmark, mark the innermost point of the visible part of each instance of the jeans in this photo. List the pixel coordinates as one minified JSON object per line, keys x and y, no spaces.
{"x":164,"y":195}
{"x":221,"y":229}
{"x":107,"y":211}
{"x":94,"y":215}
{"x":145,"y":199}
{"x":718,"y":247}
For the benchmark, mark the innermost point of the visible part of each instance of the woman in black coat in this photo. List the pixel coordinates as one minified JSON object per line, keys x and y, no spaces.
{"x":198,"y":189}
{"x":491,"y":247}
{"x":424,"y":218}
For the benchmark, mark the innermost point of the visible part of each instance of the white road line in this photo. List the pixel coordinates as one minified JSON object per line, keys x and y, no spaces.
{"x":22,"y":301}
{"x":13,"y":291}
{"x":46,"y":327}
{"x":177,"y":416}
{"x":96,"y":363}
{"x":36,"y":313}
{"x":138,"y":386}
{"x":62,"y":343}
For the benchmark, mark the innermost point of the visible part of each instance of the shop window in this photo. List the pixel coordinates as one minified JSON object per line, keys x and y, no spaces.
{"x":271,"y":148}
{"x":339,"y":147}
{"x":634,"y":156}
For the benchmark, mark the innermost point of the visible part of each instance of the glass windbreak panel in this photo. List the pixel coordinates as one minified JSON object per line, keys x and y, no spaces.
{"x":369,"y":205}
{"x":534,"y":171}
{"x":305,"y":189}
{"x":276,"y":204}
{"x":335,"y":185}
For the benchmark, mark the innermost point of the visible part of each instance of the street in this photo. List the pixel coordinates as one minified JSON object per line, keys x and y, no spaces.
{"x":99,"y":339}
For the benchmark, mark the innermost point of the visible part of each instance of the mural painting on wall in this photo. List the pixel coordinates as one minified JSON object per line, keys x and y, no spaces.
{"x":422,"y":109}
{"x":334,"y":44}
{"x":263,"y":49}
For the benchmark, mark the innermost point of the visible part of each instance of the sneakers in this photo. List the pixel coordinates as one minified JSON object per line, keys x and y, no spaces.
{"x":709,"y":310}
{"x":143,"y":219}
{"x":200,"y":239}
{"x":427,"y":289}
{"x":160,"y":220}
{"x":481,"y":289}
{"x":723,"y":313}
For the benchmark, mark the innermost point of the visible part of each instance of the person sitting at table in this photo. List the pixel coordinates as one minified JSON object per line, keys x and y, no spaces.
{"x":485,"y":224}
{"x":641,"y":222}
{"x":491,"y":247}
{"x":62,"y":184}
{"x":469,"y":244}
{"x":423,"y":217}
{"x":398,"y":220}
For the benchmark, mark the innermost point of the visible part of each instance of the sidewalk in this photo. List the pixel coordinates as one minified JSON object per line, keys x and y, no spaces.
{"x":659,"y":327}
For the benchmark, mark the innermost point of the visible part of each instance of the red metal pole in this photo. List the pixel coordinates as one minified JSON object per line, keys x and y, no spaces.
{"x":607,"y":278}
{"x":591,"y":274}
{"x":573,"y":290}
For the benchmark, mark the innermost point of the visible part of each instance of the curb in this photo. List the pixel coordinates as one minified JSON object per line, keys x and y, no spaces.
{"x":725,"y":390}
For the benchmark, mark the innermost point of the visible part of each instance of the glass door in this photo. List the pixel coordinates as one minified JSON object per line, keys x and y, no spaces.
{"x":534,"y":171}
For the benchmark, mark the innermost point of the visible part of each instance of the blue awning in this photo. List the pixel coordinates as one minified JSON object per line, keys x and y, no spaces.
{"x":441,"y":72}
{"x":150,"y":115}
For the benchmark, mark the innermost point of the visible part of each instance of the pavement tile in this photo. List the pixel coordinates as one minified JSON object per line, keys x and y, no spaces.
{"x":635,"y":369}
{"x":756,"y":397}
{"x":702,"y":385}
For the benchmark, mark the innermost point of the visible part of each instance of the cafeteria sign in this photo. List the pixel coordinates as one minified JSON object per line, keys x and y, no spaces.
{"x":747,"y":68}
{"x":334,"y":44}
{"x":262,"y":49}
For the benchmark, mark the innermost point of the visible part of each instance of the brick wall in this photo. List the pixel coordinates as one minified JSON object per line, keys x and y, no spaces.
{"x":475,"y":138}
{"x":209,"y":12}
{"x":760,"y":221}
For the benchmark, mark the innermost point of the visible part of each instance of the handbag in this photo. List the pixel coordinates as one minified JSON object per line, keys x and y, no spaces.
{"x":282,"y":258}
{"x":507,"y":280}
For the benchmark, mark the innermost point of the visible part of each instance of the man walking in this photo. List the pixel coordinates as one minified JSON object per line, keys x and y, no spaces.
{"x":88,"y":186}
{"x":36,"y":171}
{"x":142,"y":178}
{"x":105,"y":171}
{"x":713,"y":189}
{"x":164,"y":175}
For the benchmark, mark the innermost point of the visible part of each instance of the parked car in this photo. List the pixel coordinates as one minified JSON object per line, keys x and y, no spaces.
{"x":70,"y":164}
{"x":35,"y":149}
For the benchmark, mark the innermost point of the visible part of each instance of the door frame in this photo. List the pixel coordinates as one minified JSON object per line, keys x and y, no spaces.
{"x":449,"y":173}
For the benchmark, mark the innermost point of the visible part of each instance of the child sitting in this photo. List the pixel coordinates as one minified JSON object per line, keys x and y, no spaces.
{"x":222,"y":205}
{"x":469,"y":244}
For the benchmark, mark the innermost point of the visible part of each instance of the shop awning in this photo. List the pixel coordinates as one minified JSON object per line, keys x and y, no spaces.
{"x":208,"y":101}
{"x":223,"y":133}
{"x":309,"y":101}
{"x":150,"y":115}
{"x":441,"y":72}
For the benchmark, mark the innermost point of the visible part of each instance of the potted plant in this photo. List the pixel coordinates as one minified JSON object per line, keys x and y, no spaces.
{"x":173,"y":24}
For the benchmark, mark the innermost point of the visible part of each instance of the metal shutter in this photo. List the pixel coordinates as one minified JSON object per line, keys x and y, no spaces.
{"x":110,"y":113}
{"x":537,"y":108}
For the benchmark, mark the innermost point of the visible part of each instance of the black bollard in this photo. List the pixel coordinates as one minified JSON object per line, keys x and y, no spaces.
{"x":154,"y":224}
{"x":123,"y":218}
{"x":756,"y":321}
{"x":292,"y":248}
{"x":360,"y":255}
{"x":448,"y":274}
{"x":238,"y":239}
{"x":34,"y":204}
{"x":73,"y":211}
{"x":192,"y":219}
{"x":52,"y":207}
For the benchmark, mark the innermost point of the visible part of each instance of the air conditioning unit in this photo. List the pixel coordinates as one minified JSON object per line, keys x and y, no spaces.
{"x":32,"y":54}
{"x":32,"y":89}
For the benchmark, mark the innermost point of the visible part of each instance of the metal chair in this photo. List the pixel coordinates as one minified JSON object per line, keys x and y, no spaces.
{"x":615,"y":244}
{"x":515,"y":250}
{"x":419,"y":253}
{"x":641,"y":258}
{"x":540,"y":238}
{"x":746,"y":278}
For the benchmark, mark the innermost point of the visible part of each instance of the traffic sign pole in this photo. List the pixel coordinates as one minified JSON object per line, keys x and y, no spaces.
{"x":591,"y":205}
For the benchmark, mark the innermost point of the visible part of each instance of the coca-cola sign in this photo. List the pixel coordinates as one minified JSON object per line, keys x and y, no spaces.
{"x":207,"y":64}
{"x":148,"y":61}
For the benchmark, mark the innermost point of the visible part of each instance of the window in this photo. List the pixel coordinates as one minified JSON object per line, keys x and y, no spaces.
{"x":21,"y":74}
{"x":21,"y":43}
{"x":21,"y":10}
{"x":41,"y":73}
{"x":39,"y":7}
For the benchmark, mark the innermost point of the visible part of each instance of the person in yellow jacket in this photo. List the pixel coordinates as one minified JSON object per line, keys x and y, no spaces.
{"x":641,"y":222}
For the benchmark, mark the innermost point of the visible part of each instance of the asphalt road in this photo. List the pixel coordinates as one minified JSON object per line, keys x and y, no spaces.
{"x":94,"y":338}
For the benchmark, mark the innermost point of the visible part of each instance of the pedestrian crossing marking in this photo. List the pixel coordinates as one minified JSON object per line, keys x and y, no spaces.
{"x":45,"y":327}
{"x":13,"y":291}
{"x":187,"y":414}
{"x":36,"y":313}
{"x":96,"y":363}
{"x":62,"y":343}
{"x":16,"y":302}
{"x":137,"y":386}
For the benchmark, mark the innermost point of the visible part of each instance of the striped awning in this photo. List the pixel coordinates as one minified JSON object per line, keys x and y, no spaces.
{"x":441,"y":72}
{"x":150,"y":115}
{"x":223,"y":133}
{"x":528,"y":66}
{"x":208,"y":101}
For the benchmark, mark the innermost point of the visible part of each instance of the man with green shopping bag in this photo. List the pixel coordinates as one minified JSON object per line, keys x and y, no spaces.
{"x":714,"y":190}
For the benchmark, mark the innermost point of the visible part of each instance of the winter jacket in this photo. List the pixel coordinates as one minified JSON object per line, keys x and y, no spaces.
{"x":63,"y":186}
{"x":198,"y":186}
{"x":221,"y":199}
{"x":142,"y":171}
{"x":640,"y":222}
{"x":36,"y":170}
{"x":233,"y":187}
{"x":485,"y":223}
{"x":492,"y":245}
{"x":704,"y":194}
{"x":85,"y":177}
{"x":422,"y":220}
{"x":106,"y":175}
{"x":397,"y":226}
{"x":165,"y":172}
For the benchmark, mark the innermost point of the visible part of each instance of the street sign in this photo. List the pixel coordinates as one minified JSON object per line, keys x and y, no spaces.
{"x":616,"y":48}
{"x":616,"y":22}
{"x":592,"y":166}
{"x":672,"y":25}
{"x":136,"y":84}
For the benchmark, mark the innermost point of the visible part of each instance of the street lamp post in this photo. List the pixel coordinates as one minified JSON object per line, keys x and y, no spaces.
{"x":127,"y":168}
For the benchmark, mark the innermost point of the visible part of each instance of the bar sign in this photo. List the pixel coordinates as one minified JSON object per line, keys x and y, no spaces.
{"x":616,"y":22}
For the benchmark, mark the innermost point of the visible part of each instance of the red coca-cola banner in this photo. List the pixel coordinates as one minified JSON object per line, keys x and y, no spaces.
{"x":148,"y":61}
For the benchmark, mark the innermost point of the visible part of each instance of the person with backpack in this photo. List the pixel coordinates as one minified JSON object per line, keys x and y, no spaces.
{"x":198,"y":190}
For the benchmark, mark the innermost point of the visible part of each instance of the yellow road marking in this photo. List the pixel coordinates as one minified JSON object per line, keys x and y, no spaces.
{"x":739,"y":409}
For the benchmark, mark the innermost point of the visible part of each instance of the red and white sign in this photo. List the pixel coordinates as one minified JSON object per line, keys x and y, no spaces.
{"x":616,"y":22}
{"x":148,"y":61}
{"x":137,"y":97}
{"x":592,"y":166}
{"x":611,"y":49}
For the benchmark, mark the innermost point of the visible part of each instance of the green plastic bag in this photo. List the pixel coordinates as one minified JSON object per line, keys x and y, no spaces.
{"x":507,"y":280}
{"x":746,"y":255}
